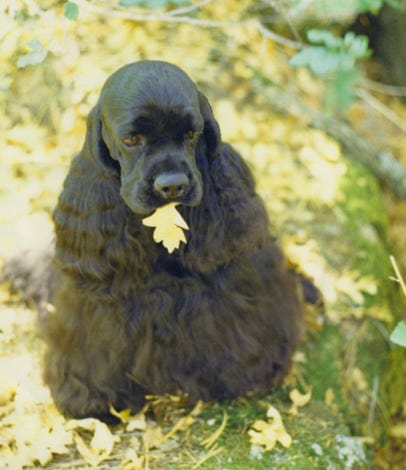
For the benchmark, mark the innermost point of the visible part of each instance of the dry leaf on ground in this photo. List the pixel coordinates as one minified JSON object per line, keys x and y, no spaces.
{"x":268,"y":433}
{"x":298,"y":400}
{"x":101,"y":443}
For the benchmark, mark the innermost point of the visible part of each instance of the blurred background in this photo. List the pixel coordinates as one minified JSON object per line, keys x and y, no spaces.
{"x":312,"y":94}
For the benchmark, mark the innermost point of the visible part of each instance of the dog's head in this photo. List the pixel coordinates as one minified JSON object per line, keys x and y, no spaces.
{"x":149,"y":125}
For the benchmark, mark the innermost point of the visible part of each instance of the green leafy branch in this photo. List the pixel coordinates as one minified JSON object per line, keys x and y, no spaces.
{"x":335,"y":59}
{"x":332,"y":58}
{"x":373,"y":6}
{"x":35,"y":56}
{"x":154,"y":3}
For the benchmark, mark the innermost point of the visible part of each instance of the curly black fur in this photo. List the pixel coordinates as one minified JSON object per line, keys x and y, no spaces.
{"x":217,"y":318}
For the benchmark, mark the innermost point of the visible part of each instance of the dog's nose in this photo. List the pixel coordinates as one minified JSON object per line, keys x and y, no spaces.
{"x":171,"y":185}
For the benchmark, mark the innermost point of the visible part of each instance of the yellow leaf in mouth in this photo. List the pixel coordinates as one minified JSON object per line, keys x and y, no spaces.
{"x":169,"y":226}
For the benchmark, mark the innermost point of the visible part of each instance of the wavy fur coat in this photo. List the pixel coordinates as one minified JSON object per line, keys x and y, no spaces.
{"x":217,"y":318}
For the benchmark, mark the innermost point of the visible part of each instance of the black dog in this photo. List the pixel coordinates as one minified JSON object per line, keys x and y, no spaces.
{"x":217,"y":318}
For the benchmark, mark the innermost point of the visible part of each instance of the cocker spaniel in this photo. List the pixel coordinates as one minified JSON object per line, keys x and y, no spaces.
{"x":217,"y":318}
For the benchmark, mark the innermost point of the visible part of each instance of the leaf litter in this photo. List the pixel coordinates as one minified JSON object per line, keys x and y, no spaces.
{"x":267,"y":434}
{"x":284,"y":155}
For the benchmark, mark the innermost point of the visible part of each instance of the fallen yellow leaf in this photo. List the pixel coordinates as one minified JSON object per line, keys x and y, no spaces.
{"x":132,"y":461}
{"x":399,"y":430}
{"x":354,"y":286}
{"x":132,"y":422}
{"x":8,"y":389}
{"x":169,"y":226}
{"x":138,"y":422}
{"x":184,"y":422}
{"x":101,"y":444}
{"x":268,"y":433}
{"x":298,"y":400}
{"x":103,"y":440}
{"x":123,"y":415}
{"x":329,"y":400}
{"x":152,"y":437}
{"x":357,"y":378}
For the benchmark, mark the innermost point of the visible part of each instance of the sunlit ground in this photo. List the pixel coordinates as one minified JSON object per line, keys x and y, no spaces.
{"x":301,"y":173}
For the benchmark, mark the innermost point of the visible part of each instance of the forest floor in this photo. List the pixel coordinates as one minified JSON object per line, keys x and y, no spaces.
{"x":310,"y":189}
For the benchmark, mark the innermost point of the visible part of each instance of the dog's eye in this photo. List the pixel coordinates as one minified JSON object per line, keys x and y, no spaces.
{"x":190,"y":135}
{"x":134,"y":140}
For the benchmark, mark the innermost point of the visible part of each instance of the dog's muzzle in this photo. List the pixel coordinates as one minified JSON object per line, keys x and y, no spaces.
{"x":171,"y":186}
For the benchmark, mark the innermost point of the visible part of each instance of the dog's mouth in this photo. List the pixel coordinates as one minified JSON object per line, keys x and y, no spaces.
{"x":177,"y":187}
{"x":146,"y":195}
{"x":147,"y":203}
{"x":187,"y":201}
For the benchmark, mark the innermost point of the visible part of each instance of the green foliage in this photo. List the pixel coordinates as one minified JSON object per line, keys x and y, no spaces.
{"x":398,"y":335}
{"x":71,"y":11}
{"x":363,"y":6}
{"x":35,"y":56}
{"x":335,"y":58}
{"x":347,"y":7}
{"x":340,"y":93}
{"x":335,"y":54}
{"x":154,"y":3}
{"x":397,"y":4}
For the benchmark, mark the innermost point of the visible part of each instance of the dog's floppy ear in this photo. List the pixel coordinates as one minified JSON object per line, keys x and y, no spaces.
{"x":211,"y":130}
{"x":95,"y":147}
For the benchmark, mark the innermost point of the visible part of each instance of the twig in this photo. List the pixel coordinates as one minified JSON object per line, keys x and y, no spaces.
{"x":189,"y":9}
{"x":209,"y":455}
{"x":372,"y":406}
{"x":280,"y":7}
{"x":183,"y":423}
{"x":269,"y":34}
{"x":214,"y":437}
{"x":383,"y":88}
{"x":399,"y":277}
{"x":178,"y":16}
{"x":166,"y":17}
{"x":381,"y":108}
